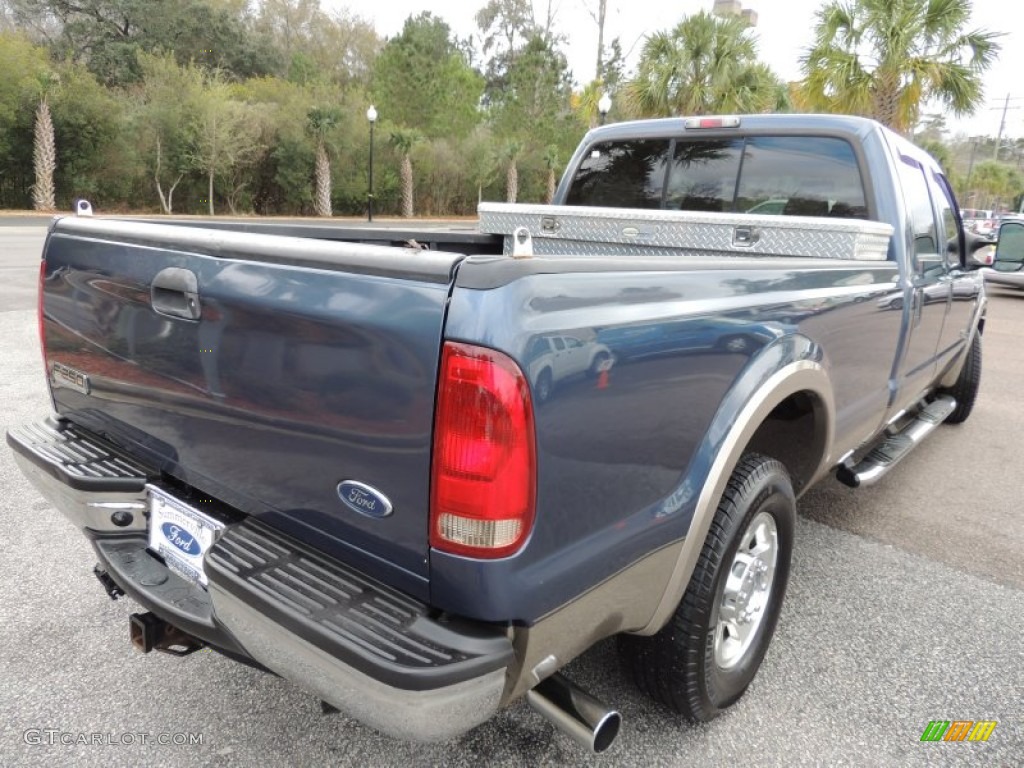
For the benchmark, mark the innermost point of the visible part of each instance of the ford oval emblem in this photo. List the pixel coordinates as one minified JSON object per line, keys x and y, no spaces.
{"x":363,"y":499}
{"x":181,"y":539}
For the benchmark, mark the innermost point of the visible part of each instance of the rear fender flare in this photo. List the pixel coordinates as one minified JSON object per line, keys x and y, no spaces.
{"x":739,"y":425}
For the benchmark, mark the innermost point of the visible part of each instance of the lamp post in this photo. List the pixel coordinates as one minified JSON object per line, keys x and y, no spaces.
{"x":604,"y":106}
{"x":371,"y":115}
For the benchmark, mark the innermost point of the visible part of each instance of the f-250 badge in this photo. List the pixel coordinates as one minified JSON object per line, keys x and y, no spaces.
{"x":363,"y":499}
{"x":66,"y":376}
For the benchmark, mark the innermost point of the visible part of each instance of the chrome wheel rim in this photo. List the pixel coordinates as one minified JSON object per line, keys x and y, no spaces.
{"x":747,"y":590}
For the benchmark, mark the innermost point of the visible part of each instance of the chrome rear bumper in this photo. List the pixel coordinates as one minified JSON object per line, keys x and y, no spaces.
{"x":88,"y":481}
{"x":379,"y":655}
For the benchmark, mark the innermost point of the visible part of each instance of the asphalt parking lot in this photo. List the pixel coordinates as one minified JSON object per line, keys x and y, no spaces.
{"x":906,"y":605}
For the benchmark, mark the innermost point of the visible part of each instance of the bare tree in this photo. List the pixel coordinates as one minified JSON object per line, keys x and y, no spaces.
{"x":227,"y":134}
{"x":549,"y":20}
{"x":505,"y":20}
{"x":599,"y":18}
{"x":165,"y":108}
{"x":166,"y":201}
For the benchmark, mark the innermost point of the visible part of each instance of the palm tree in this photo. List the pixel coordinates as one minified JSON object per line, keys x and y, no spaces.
{"x":706,"y":64}
{"x":552,"y":163}
{"x":319,"y":122}
{"x":510,"y":153}
{"x":585,"y":103}
{"x":404,"y":140}
{"x":44,"y":159}
{"x":884,"y":58}
{"x":44,"y":146}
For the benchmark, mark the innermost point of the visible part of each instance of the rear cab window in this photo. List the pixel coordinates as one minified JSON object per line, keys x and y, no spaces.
{"x":622,"y":174}
{"x":764,"y":175}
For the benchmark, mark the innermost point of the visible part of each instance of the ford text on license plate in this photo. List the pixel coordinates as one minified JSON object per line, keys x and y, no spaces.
{"x":180,"y":534}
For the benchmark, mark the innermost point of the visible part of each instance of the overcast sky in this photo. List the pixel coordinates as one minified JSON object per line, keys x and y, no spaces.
{"x":784,"y":30}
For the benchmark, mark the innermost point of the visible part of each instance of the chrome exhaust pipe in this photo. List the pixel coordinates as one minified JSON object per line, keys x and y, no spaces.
{"x":575,"y":712}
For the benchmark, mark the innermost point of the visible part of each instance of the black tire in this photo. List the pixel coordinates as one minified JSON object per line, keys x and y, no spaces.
{"x":545,"y":384}
{"x":680,"y":665}
{"x":965,"y":391}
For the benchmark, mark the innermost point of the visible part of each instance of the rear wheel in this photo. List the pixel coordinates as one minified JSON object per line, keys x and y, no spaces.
{"x":965,"y":391}
{"x":599,"y":363}
{"x":544,"y":385}
{"x":702,"y":661}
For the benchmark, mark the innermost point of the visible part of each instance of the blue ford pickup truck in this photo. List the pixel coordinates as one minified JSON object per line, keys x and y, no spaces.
{"x":417,"y":472}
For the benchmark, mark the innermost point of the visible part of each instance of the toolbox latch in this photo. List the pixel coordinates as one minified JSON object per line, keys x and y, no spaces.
{"x":746,"y":236}
{"x":548,"y":225}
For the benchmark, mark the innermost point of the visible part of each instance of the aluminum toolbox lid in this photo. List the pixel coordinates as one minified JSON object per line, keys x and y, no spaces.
{"x":562,"y":228}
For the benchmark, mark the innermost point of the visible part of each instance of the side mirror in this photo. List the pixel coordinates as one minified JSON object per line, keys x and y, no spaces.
{"x":979,"y":250}
{"x":1010,"y":248}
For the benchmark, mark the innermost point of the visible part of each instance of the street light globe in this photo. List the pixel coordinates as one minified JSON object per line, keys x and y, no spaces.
{"x":371,"y":114}
{"x":604,"y":104}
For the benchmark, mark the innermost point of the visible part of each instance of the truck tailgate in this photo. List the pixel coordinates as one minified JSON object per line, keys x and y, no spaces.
{"x":264,"y":371}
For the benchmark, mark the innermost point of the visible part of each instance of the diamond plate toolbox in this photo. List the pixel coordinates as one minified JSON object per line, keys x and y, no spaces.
{"x":572,"y":230}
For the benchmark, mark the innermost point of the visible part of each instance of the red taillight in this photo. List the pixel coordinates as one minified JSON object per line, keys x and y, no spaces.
{"x":39,"y":316}
{"x":483,"y":480}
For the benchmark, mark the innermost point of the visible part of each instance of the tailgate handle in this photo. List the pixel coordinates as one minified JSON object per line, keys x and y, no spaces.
{"x":175,"y":292}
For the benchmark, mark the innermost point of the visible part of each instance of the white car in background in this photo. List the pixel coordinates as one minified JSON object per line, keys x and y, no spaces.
{"x":980,"y":221}
{"x":554,"y":358}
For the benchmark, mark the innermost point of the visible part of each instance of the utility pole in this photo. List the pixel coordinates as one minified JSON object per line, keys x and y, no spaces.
{"x":970,"y":168}
{"x":1002,"y":123}
{"x":1002,"y":127}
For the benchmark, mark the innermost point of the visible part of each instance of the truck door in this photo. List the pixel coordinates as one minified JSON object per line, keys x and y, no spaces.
{"x":928,"y":298}
{"x":964,"y":287}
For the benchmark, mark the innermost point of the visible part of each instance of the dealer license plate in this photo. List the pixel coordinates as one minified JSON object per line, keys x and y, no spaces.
{"x":181,"y":534}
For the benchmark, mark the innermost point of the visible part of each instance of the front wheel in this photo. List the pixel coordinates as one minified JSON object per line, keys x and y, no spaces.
{"x":702,"y":661}
{"x":965,"y":390}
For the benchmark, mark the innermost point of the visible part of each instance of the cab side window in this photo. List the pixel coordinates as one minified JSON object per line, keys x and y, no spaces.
{"x":922,"y":216}
{"x":949,"y":222}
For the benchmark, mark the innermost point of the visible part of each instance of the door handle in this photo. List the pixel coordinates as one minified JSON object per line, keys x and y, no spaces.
{"x":175,"y":292}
